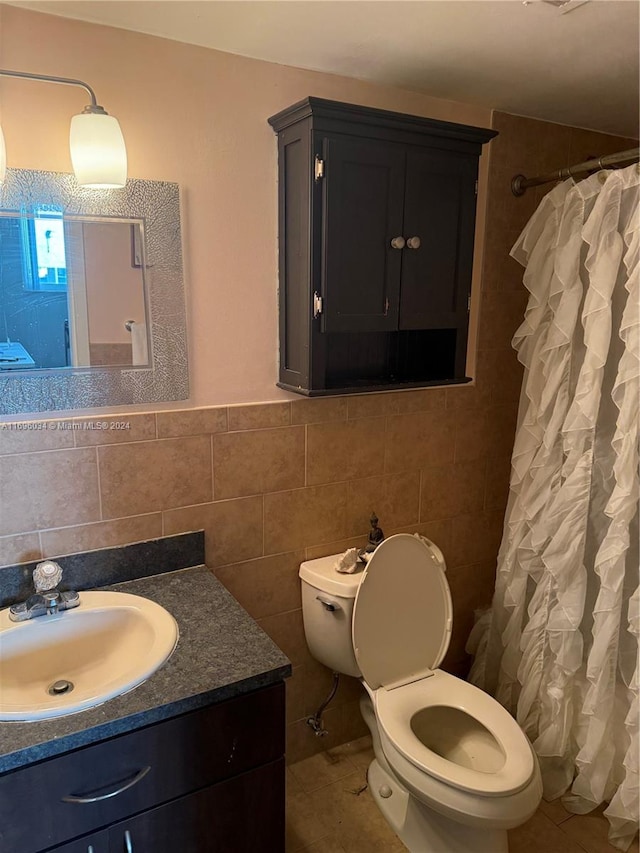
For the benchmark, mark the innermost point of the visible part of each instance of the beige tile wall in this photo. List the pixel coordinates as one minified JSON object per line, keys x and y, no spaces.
{"x":273,"y":484}
{"x":268,"y":496}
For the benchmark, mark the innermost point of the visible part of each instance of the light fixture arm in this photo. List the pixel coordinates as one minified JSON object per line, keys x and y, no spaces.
{"x":46,"y":78}
{"x":98,"y":151}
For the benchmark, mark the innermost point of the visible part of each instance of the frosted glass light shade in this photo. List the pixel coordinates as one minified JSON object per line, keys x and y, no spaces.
{"x":98,"y":152}
{"x":3,"y":157}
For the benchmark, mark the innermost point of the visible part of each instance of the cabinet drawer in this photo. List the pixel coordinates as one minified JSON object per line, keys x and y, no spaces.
{"x":71,"y":795}
{"x":243,"y":815}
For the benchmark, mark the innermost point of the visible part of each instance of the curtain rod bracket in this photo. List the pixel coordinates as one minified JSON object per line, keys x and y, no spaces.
{"x":516,"y":185}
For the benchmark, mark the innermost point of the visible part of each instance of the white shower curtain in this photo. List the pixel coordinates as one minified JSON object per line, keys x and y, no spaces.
{"x":559,"y":648}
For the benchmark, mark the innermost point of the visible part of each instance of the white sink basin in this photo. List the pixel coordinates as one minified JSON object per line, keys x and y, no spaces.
{"x":108,"y":644}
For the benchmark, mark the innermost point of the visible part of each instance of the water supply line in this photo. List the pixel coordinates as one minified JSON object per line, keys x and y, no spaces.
{"x":316,"y":721}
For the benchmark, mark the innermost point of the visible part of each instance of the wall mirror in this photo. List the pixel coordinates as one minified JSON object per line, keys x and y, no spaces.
{"x":91,"y":294}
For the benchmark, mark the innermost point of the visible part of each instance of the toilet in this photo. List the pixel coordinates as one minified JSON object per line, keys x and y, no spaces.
{"x":452,"y":770}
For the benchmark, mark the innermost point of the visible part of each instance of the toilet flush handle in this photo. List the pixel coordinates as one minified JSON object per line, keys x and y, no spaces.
{"x":329,"y":605}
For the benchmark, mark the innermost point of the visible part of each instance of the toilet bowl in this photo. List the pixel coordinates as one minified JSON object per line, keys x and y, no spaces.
{"x":453,"y":770}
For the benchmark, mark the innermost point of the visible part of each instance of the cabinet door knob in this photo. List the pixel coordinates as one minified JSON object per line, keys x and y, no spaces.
{"x":398,"y":243}
{"x":413,"y":242}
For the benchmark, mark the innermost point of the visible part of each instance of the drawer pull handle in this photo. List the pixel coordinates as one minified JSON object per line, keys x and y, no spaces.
{"x":87,"y":798}
{"x":128,"y":843}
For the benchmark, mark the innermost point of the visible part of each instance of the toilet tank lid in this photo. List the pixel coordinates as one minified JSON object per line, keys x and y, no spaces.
{"x":322,"y":575}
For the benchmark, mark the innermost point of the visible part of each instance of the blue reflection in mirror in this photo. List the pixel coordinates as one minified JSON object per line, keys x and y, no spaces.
{"x":44,"y":253}
{"x":34,"y":311}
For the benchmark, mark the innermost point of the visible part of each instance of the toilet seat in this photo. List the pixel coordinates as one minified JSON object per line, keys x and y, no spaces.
{"x":499,"y":812}
{"x":396,"y":708}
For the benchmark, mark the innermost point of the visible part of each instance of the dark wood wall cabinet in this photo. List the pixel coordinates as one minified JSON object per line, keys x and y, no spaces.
{"x":376,"y":229}
{"x":210,"y":781}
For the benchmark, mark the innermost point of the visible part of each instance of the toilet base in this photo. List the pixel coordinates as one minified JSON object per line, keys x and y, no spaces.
{"x":423,"y":830}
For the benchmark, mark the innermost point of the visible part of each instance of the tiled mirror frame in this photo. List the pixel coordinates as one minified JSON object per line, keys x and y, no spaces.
{"x":157,"y":204}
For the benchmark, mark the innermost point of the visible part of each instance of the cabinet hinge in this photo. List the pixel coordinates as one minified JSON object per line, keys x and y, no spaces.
{"x":318,"y":172}
{"x":317,"y":305}
{"x":476,"y":188}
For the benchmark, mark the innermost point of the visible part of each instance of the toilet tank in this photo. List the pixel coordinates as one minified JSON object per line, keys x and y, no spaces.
{"x":327,"y":608}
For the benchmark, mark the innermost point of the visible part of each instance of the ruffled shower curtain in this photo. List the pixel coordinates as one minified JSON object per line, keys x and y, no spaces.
{"x":559,"y":648}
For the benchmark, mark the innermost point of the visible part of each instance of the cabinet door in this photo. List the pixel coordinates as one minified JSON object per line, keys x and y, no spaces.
{"x":242,"y":815}
{"x":440,"y":205}
{"x":363,"y":189}
{"x":97,"y":842}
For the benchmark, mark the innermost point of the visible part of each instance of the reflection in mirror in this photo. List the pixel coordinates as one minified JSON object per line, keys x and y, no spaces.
{"x":72,"y":291}
{"x":109,"y":263}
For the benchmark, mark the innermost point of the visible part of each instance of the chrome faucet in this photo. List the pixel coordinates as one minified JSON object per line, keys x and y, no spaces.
{"x":51,"y":601}
{"x":48,"y":599}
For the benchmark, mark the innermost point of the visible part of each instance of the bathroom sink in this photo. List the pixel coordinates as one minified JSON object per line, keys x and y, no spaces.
{"x":75,"y":659}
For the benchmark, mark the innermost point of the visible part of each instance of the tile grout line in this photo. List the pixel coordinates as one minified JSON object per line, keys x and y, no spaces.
{"x":385,"y":443}
{"x":97,"y":455}
{"x":39,"y":546}
{"x":96,"y":445}
{"x":211,"y":456}
{"x":306,"y":453}
{"x":89,"y":523}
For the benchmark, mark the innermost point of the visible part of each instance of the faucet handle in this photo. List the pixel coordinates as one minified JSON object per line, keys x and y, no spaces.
{"x":46,"y":575}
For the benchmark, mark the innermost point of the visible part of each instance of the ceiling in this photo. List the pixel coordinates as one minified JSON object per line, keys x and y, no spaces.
{"x":578,"y":67}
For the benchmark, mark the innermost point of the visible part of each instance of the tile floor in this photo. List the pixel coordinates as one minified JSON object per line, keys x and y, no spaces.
{"x":329,"y":810}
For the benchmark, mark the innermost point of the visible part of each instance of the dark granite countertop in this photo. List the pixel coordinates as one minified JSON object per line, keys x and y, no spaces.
{"x":221,"y":653}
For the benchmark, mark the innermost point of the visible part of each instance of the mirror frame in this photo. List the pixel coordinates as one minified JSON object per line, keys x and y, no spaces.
{"x":157,"y":205}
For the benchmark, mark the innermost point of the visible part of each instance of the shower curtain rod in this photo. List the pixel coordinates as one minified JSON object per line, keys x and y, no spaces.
{"x":520,"y":184}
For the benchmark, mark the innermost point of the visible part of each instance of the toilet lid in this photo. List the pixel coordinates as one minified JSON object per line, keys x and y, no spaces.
{"x":402,"y":615}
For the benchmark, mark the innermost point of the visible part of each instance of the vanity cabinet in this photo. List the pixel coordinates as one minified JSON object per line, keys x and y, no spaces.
{"x":376,"y":233}
{"x":208,"y":780}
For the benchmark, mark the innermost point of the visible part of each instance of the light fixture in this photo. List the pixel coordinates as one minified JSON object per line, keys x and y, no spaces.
{"x":98,"y":152}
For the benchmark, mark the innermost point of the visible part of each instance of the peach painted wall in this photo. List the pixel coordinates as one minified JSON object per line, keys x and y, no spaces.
{"x":115,"y":291}
{"x":197,"y":117}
